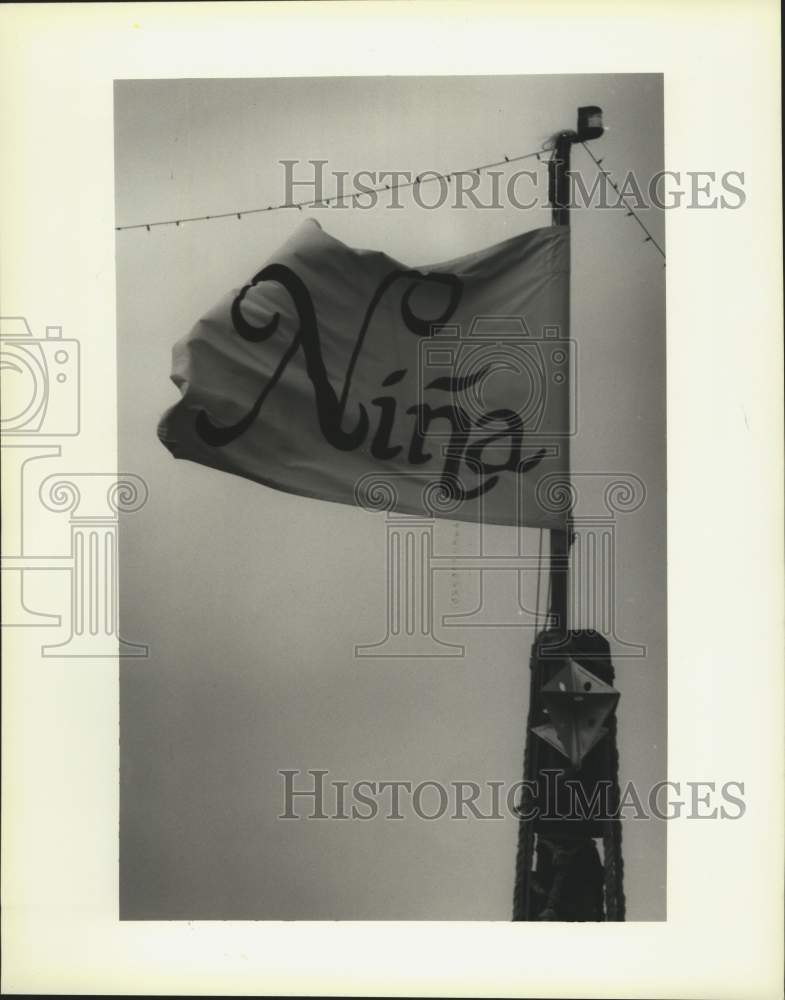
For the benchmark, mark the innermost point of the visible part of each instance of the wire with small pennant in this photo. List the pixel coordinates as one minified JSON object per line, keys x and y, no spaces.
{"x":338,"y":198}
{"x":629,"y":210}
{"x":400,"y":185}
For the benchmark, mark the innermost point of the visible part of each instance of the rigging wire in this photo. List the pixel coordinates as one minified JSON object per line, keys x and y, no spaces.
{"x":337,"y":198}
{"x":539,"y":578}
{"x":629,"y":210}
{"x":419,"y":180}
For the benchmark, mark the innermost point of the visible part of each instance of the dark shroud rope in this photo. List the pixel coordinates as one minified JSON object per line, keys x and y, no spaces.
{"x":525,"y":852}
{"x":615,"y":903}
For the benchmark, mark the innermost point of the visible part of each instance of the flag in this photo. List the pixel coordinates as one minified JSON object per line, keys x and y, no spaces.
{"x":343,"y":375}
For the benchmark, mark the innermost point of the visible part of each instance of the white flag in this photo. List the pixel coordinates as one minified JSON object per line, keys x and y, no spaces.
{"x":344,"y":375}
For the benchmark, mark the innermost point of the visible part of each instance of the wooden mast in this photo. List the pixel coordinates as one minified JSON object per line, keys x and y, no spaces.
{"x":559,"y":188}
{"x":581,"y":878}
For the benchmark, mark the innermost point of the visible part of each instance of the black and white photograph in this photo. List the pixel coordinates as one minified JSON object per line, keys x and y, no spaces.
{"x":392,"y":499}
{"x":416,"y":529}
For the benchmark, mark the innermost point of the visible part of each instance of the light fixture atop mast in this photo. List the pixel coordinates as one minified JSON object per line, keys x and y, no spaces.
{"x":589,"y":123}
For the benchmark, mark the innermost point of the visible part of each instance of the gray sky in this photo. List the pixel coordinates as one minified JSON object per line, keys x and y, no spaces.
{"x":252,"y":601}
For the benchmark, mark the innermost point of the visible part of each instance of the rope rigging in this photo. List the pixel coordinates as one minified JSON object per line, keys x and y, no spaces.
{"x":419,"y":180}
{"x":629,"y":210}
{"x":338,"y":198}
